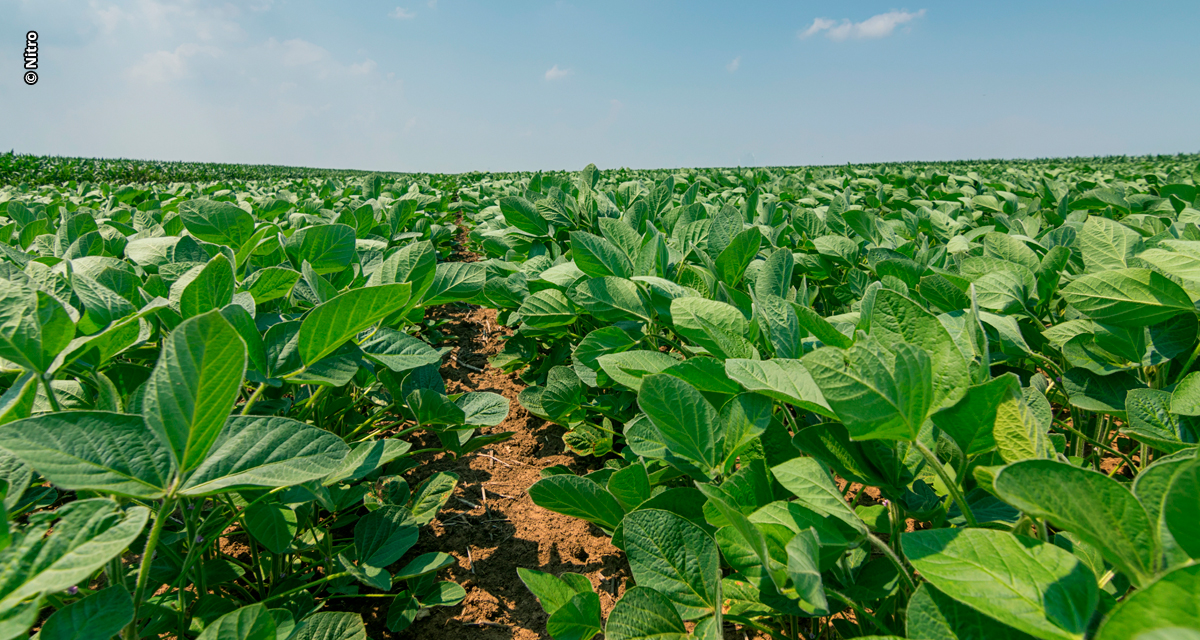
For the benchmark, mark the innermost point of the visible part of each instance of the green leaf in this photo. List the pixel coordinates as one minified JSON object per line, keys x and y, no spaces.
{"x":932,"y":615}
{"x":547,"y":309}
{"x":402,"y":612}
{"x":521,"y":213}
{"x":1176,"y":263}
{"x":1152,"y":486}
{"x":630,"y":486}
{"x":252,"y":622}
{"x":1031,"y":585}
{"x":944,"y":295}
{"x":578,"y":497}
{"x":598,"y":257}
{"x":1105,"y":394}
{"x":811,"y":483}
{"x":716,"y":326}
{"x":34,"y":327}
{"x":17,"y":401}
{"x":751,"y":550}
{"x":775,"y":276}
{"x":644,"y":614}
{"x":330,"y":325}
{"x":1181,"y":509}
{"x":1006,"y":247}
{"x":552,"y":592}
{"x":454,"y":282}
{"x":365,"y":574}
{"x":1154,"y":420}
{"x":896,"y":318}
{"x":609,"y":299}
{"x":194,"y":385}
{"x":331,"y":625}
{"x":820,"y":327}
{"x":732,"y":261}
{"x":675,"y":558}
{"x":1107,"y":245}
{"x":578,"y":619}
{"x":414,"y":263}
{"x":101,"y":306}
{"x":17,"y":620}
{"x":243,"y":323}
{"x":318,"y":287}
{"x":782,"y":325}
{"x":398,"y":351}
{"x":831,"y":443}
{"x":100,"y":615}
{"x":1185,"y":399}
{"x":780,"y":379}
{"x":1019,"y":433}
{"x":210,"y":288}
{"x":384,"y":535}
{"x":876,"y":393}
{"x":271,"y":283}
{"x":1168,"y":602}
{"x":272,"y":524}
{"x":971,"y":421}
{"x":744,"y":418}
{"x":444,"y":594}
{"x":218,"y":222}
{"x":483,"y":408}
{"x":1128,"y":297}
{"x":684,"y":418}
{"x":87,"y":534}
{"x":432,"y":408}
{"x":266,"y":451}
{"x":424,"y":564}
{"x":431,"y":495}
{"x":92,"y":451}
{"x":803,"y":567}
{"x":1089,"y":504}
{"x":630,"y":368}
{"x":328,"y":248}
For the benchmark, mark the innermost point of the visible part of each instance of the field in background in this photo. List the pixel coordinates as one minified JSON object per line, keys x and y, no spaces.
{"x":922,"y":400}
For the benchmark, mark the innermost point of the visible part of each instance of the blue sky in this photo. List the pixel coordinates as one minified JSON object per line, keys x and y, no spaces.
{"x":459,"y":85}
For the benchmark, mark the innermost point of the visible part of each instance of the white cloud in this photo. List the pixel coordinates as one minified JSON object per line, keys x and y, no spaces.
{"x":817,"y":26}
{"x":107,"y":18}
{"x":296,"y":52}
{"x":363,"y":68}
{"x":554,"y":73}
{"x":432,"y":4}
{"x":877,"y":26}
{"x":401,"y":13}
{"x":734,"y":64}
{"x":164,"y":66}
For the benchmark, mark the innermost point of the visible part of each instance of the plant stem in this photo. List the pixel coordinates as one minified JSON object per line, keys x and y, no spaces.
{"x":1188,"y":365}
{"x":1083,"y":438}
{"x":160,"y":520}
{"x":253,"y":398}
{"x":858,"y":609}
{"x":187,"y":559}
{"x":951,"y":485}
{"x":314,"y":583}
{"x":50,"y":394}
{"x":891,"y":555}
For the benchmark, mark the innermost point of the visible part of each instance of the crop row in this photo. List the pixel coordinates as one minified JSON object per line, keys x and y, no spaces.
{"x":222,"y":379}
{"x":940,"y":401}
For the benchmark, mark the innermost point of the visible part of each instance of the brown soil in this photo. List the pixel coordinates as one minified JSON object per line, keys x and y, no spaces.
{"x":490,"y":524}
